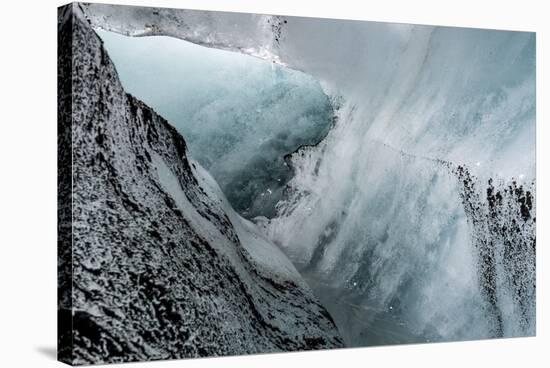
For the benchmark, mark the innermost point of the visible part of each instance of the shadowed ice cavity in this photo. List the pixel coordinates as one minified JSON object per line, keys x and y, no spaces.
{"x":239,"y":115}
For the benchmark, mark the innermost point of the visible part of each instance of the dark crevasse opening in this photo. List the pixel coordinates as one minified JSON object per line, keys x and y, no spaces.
{"x":239,"y":115}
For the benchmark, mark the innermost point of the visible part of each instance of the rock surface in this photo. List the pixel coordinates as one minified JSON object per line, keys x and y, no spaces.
{"x":161,"y":265}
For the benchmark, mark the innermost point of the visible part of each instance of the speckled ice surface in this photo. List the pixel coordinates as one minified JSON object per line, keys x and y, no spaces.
{"x":154,"y":264}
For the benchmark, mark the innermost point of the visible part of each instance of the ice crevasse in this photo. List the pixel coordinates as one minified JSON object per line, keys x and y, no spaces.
{"x":414,"y":219}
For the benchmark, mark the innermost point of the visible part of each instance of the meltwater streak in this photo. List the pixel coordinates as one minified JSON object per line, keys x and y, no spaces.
{"x":399,"y":245}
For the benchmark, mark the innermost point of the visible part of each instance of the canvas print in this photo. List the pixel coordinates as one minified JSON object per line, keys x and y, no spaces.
{"x":234,"y":183}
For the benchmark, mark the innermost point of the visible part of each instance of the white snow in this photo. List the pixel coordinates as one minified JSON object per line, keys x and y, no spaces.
{"x":263,"y":252}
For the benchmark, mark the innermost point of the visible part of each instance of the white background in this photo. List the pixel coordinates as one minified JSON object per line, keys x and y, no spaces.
{"x":28,"y":180}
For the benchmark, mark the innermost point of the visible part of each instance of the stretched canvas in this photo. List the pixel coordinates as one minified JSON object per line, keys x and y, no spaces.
{"x":234,"y":183}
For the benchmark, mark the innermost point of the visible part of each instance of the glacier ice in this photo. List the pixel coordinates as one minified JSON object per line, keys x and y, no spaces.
{"x":414,"y":219}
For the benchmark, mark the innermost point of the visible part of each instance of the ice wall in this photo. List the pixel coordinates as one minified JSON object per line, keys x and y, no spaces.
{"x":376,"y":216}
{"x":394,"y":217}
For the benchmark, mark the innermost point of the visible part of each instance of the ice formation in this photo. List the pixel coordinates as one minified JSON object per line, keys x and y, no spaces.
{"x":414,"y":219}
{"x":153,"y":261}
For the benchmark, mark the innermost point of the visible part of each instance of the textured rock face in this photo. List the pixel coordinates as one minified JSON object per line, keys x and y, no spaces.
{"x":503,"y":221}
{"x":161,"y":266}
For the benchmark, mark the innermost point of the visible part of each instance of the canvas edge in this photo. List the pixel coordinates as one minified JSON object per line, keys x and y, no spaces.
{"x":64,"y":183}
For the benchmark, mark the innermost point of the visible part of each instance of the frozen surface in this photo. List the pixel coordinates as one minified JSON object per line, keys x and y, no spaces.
{"x":153,"y":262}
{"x":414,"y":219}
{"x":240,"y":115}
